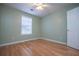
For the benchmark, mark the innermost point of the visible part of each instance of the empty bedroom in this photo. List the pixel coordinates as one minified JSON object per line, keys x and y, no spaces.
{"x":39,"y":29}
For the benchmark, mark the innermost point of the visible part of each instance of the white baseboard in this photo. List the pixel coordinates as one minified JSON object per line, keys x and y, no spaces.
{"x":17,"y":42}
{"x":53,"y":41}
{"x":30,"y":40}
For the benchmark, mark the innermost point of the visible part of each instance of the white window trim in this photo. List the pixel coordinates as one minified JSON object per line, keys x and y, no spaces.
{"x":26,"y":32}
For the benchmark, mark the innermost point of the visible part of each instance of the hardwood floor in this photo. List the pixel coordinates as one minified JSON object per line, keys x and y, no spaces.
{"x":38,"y":48}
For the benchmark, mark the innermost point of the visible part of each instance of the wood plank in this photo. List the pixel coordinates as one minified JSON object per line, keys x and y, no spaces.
{"x":38,"y":47}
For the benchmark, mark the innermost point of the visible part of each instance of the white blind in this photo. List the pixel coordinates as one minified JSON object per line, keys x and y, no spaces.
{"x":26,"y":25}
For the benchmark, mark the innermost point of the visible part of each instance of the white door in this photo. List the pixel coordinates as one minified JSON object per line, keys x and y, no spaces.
{"x":73,"y":28}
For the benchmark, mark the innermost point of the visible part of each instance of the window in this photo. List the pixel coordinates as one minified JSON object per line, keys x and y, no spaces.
{"x":26,"y":25}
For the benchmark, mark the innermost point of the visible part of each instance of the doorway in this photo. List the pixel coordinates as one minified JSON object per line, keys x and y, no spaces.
{"x":73,"y":28}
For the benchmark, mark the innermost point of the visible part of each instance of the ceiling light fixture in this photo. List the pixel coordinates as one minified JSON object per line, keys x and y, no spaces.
{"x":40,"y":6}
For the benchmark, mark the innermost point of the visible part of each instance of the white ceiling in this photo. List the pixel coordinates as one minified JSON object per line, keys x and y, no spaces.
{"x":26,"y":7}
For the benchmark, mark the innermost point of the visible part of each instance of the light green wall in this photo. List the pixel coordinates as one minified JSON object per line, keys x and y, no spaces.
{"x":54,"y":26}
{"x":10,"y":25}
